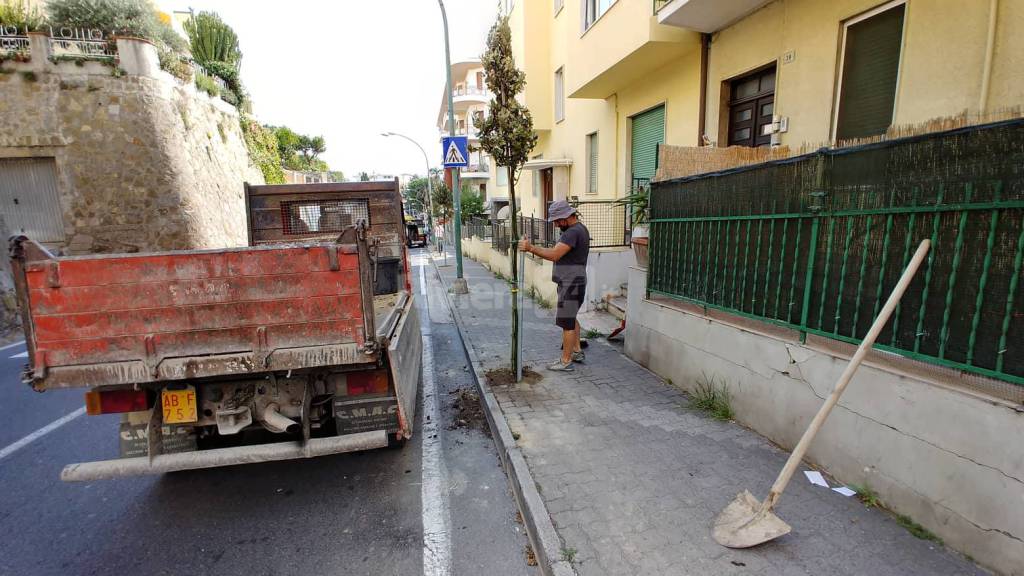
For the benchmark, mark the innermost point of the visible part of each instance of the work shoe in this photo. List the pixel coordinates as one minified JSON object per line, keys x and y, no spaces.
{"x":579,"y":357}
{"x":559,"y":367}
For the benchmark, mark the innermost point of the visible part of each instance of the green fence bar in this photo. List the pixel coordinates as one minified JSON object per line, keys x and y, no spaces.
{"x":746,"y":254}
{"x":796,"y":264}
{"x":842,"y":271}
{"x":951,"y":283}
{"x":757,"y":265}
{"x":906,"y":260}
{"x":928,"y":275}
{"x":809,"y":279}
{"x":1011,"y":295}
{"x":860,"y":276}
{"x":828,"y":268}
{"x":782,"y":265}
{"x":768,"y":268}
{"x":881,"y":270}
{"x":718,"y":251}
{"x":979,"y":300}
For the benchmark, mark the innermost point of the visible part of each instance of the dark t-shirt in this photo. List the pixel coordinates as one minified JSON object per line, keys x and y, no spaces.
{"x":572,"y":268}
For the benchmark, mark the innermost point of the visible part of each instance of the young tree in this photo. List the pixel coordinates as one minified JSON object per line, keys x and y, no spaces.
{"x":507,"y":135}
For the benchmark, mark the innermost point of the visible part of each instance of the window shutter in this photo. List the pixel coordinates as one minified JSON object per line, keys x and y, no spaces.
{"x":648,"y":133}
{"x":592,"y":163}
{"x":870,"y":66}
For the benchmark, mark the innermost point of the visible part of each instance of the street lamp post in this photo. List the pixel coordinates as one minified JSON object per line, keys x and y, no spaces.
{"x":459,"y":286}
{"x":430,"y":184}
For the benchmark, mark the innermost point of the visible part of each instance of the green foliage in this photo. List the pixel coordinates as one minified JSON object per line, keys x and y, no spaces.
{"x":443,"y":203}
{"x":207,"y":84}
{"x":569,"y":555}
{"x":415,"y":194}
{"x":713,"y":398}
{"x":299,"y":151}
{"x":916,"y":529}
{"x":19,"y":14}
{"x":592,"y":333}
{"x":506,"y":133}
{"x":336,"y":175}
{"x":262,"y":150}
{"x":866,"y":495}
{"x":637,"y":202}
{"x":212,"y":41}
{"x":364,"y":177}
{"x":173,"y":63}
{"x":471,"y":204}
{"x":29,"y":76}
{"x":135,"y":18}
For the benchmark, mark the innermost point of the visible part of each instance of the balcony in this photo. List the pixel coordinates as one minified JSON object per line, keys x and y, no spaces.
{"x":704,"y":15}
{"x":623,"y":46}
{"x":471,"y":131}
{"x":480,"y":171}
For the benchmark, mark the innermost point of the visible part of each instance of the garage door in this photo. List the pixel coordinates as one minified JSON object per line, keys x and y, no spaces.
{"x":28,"y":198}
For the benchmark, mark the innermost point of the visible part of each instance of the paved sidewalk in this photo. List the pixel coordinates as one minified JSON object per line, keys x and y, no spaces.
{"x":633,"y":478}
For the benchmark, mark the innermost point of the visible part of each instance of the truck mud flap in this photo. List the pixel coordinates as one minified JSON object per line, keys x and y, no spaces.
{"x":405,"y":352}
{"x":106,"y":469}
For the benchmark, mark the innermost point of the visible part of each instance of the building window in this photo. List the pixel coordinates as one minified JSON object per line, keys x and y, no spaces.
{"x":592,"y":163}
{"x":480,"y":80}
{"x":751,"y":107}
{"x":502,"y":175}
{"x":869,"y":72}
{"x":593,"y":9}
{"x":559,"y":95}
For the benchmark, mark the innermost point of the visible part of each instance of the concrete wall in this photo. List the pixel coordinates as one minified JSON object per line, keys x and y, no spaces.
{"x":940,"y":73}
{"x":143,"y":162}
{"x":948,"y":458}
{"x":606,"y":270}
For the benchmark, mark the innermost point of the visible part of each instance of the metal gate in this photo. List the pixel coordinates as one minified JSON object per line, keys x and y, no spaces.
{"x":29,"y":202}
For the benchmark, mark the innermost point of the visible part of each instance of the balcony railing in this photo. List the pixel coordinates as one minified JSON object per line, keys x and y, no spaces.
{"x":13,"y":43}
{"x":480,"y":167}
{"x":470,"y":91}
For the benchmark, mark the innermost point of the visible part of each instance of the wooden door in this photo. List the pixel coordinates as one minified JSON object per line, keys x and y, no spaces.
{"x":547,"y":188}
{"x":751,"y":107}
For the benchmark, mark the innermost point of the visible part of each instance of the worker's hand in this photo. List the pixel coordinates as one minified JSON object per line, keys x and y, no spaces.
{"x":524,"y":244}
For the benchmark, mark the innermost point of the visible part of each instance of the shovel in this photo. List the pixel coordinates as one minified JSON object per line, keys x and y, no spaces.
{"x":745,"y":522}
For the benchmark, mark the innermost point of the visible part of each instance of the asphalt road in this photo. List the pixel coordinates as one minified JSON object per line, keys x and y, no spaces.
{"x":358,"y":513}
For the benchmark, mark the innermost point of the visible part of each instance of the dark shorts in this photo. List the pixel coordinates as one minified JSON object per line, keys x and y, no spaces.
{"x":570,"y":297}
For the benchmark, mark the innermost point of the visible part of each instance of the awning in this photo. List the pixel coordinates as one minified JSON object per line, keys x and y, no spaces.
{"x":542,"y":163}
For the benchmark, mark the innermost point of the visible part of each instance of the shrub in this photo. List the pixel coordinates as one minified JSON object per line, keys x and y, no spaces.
{"x":262,"y":150}
{"x":213,"y":41}
{"x":19,"y":14}
{"x":207,"y":84}
{"x":175,"y":65}
{"x":136,"y":18}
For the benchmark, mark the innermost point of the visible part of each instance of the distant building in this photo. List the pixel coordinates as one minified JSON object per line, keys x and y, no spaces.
{"x":470,"y":99}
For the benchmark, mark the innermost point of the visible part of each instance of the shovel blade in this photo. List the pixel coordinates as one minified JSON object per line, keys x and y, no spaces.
{"x":742,"y":524}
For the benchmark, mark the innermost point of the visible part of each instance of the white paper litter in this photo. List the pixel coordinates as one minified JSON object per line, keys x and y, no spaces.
{"x":844,"y":491}
{"x":816,"y":478}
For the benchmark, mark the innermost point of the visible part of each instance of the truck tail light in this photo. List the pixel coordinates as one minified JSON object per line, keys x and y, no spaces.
{"x":368,"y":382}
{"x":115,"y":401}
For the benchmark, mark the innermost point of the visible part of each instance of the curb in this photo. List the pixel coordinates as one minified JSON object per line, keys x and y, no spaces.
{"x":547,"y":546}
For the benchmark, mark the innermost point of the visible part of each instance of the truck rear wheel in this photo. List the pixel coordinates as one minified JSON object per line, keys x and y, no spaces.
{"x":395,"y":442}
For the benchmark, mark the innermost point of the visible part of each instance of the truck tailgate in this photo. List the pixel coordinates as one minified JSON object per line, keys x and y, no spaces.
{"x":119,"y":319}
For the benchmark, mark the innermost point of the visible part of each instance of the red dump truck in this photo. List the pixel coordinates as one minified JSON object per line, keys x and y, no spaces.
{"x":304,"y":343}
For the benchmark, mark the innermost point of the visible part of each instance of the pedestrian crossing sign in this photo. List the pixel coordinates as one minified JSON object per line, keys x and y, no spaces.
{"x":455,"y":151}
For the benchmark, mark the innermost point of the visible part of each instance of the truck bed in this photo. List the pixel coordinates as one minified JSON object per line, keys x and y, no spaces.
{"x":137,"y":318}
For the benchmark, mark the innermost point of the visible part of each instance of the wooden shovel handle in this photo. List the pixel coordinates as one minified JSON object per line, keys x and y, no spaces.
{"x":844,"y":379}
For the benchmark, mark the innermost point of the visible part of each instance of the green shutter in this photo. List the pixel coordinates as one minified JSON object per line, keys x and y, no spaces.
{"x":592,"y":163}
{"x":871,"y":63}
{"x":648,"y":133}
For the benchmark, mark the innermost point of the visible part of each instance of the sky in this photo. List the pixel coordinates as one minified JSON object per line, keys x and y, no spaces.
{"x":351,"y":69}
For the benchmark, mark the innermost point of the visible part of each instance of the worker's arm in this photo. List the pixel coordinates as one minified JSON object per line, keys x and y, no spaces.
{"x":553,"y":254}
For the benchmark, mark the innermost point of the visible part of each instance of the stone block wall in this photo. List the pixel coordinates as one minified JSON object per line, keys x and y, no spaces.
{"x":144,"y":162}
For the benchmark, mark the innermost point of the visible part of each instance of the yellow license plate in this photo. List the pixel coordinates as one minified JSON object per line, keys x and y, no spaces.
{"x":179,"y":405}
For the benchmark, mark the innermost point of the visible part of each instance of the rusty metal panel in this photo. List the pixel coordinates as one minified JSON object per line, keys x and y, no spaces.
{"x":148,"y":317}
{"x":29,"y":202}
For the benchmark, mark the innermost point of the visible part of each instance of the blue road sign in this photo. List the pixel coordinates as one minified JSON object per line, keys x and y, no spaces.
{"x":456,"y":151}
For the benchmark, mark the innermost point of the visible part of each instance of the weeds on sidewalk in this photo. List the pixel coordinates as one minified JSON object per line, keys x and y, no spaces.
{"x":916,"y":529}
{"x":591,"y":333}
{"x":713,"y":397}
{"x":868,"y":496}
{"x":569,"y":555}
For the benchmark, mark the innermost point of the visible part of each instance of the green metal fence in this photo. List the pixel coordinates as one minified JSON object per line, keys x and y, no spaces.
{"x":817,"y":242}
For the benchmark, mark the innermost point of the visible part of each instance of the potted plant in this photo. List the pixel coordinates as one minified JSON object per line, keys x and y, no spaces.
{"x":637,"y":204}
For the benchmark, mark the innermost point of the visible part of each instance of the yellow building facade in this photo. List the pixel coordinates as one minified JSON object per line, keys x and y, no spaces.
{"x":758,"y":73}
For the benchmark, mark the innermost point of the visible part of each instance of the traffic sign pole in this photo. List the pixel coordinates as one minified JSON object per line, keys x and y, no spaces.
{"x":459,"y":286}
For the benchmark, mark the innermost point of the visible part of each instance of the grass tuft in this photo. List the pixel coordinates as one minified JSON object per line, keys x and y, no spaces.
{"x":866,"y":495}
{"x":592,"y":333}
{"x":916,"y":529}
{"x":569,"y":555}
{"x":713,"y":398}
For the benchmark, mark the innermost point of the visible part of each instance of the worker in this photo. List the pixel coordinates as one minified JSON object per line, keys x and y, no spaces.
{"x":569,"y":274}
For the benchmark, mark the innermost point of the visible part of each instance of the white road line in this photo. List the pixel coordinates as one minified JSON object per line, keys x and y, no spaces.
{"x":12,"y":448}
{"x":12,"y":345}
{"x":20,"y":355}
{"x":423,"y":279}
{"x":437,"y":545}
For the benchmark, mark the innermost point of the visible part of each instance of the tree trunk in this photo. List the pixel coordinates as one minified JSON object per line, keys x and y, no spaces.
{"x":513,"y":256}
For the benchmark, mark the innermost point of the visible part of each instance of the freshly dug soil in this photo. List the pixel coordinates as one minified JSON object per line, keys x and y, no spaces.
{"x":505,"y":376}
{"x":468,"y":412}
